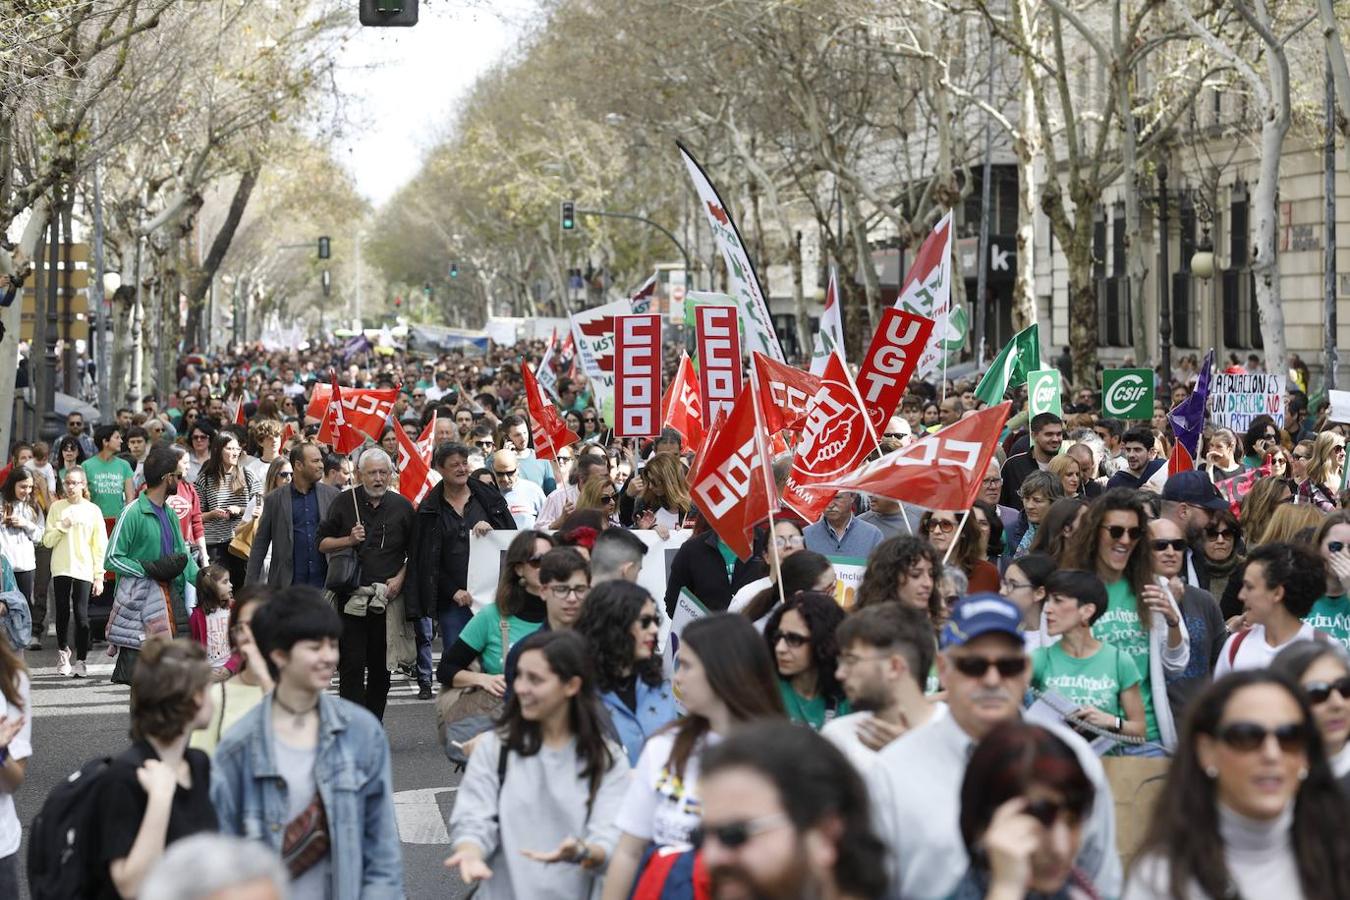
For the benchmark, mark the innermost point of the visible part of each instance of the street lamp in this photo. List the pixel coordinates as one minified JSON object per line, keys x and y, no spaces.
{"x":111,"y":282}
{"x":1202,"y":261}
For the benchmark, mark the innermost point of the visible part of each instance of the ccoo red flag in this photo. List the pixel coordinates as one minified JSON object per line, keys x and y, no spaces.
{"x":681,"y":408}
{"x":365,"y":409}
{"x":836,"y":437}
{"x":943,"y":470}
{"x":336,"y":431}
{"x":784,"y":393}
{"x":550,"y":433}
{"x":733,"y":484}
{"x":414,"y":463}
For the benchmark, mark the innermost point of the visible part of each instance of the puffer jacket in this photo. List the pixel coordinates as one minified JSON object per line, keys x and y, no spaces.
{"x":140,"y":610}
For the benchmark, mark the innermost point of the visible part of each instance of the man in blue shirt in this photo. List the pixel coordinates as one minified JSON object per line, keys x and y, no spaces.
{"x":839,"y":533}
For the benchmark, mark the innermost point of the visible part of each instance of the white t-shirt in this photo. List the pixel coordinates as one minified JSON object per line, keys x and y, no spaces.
{"x":1254,"y":652}
{"x":843,"y":733}
{"x":524,"y":501}
{"x":660,"y":807}
{"x":19,"y":748}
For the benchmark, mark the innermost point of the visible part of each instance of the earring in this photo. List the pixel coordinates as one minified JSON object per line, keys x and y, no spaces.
{"x":1302,"y":774}
{"x":1212,"y":771}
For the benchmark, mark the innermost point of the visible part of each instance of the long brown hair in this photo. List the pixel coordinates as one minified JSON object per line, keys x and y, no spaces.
{"x":1081,"y":550}
{"x":10,"y":668}
{"x":664,"y":484}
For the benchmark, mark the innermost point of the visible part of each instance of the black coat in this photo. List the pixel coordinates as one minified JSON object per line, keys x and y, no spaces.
{"x":698,"y":566}
{"x":423,"y":585}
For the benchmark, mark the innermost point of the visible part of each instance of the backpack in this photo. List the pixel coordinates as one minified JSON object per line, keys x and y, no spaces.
{"x":1241,"y":636}
{"x":60,"y":850}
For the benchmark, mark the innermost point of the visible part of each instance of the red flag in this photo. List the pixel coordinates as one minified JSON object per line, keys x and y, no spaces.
{"x":549,"y":431}
{"x":836,"y":438}
{"x":335,"y":429}
{"x":681,"y":408}
{"x":732,"y":489}
{"x":426,"y":443}
{"x":784,"y":393}
{"x":943,"y":470}
{"x":287,"y":432}
{"x":366,"y":409}
{"x":709,"y":438}
{"x":414,"y":463}
{"x":637,"y":376}
{"x":717,"y":332}
{"x":1180,"y":461}
{"x":890,"y":362}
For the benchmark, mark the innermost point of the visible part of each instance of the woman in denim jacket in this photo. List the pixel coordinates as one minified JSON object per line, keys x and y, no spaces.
{"x":620,"y":622}
{"x":306,"y":773}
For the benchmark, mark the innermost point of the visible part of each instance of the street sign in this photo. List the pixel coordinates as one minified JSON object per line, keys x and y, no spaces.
{"x":1044,"y":393}
{"x":1127,"y":394}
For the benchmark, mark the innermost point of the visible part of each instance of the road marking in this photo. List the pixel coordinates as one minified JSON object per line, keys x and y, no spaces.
{"x":419,"y":816}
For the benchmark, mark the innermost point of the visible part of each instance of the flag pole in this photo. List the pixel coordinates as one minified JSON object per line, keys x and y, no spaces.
{"x":956,"y":537}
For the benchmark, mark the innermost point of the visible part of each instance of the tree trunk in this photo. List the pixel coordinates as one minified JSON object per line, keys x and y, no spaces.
{"x":9,"y":348}
{"x":1028,"y":202}
{"x":1082,"y":312}
{"x":200,"y":283}
{"x":1264,"y":226}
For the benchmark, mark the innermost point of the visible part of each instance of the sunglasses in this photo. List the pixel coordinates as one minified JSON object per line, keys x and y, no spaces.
{"x":977,"y":666}
{"x":535,"y":560}
{"x":1320,"y":691}
{"x":607,"y":499}
{"x":895,"y":434}
{"x":645,"y":622}
{"x":1119,"y":531}
{"x":792,"y":639}
{"x":1247,"y":737}
{"x":941,"y":525}
{"x":1176,"y":544}
{"x":286,"y":474}
{"x":737,"y":834}
{"x":782,"y":543}
{"x":1301,"y":456}
{"x":1215,"y":534}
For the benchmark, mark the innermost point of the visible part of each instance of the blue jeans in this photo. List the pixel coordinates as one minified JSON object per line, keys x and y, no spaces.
{"x":1150,"y":748}
{"x":450,"y":619}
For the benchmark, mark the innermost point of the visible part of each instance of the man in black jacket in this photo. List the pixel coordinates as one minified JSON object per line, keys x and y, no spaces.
{"x":438,"y":574}
{"x":1047,"y":433}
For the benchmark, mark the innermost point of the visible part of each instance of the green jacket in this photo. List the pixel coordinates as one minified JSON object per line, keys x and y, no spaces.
{"x":135,"y":539}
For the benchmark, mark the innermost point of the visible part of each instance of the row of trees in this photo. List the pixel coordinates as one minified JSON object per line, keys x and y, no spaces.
{"x":860,"y":121}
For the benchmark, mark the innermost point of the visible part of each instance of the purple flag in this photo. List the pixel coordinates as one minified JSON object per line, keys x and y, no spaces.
{"x":1188,"y":416}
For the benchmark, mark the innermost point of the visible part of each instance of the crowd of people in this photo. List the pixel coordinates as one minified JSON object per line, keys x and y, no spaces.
{"x":943,"y":723}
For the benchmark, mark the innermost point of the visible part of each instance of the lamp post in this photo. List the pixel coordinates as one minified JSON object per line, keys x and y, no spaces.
{"x":1164,"y":292}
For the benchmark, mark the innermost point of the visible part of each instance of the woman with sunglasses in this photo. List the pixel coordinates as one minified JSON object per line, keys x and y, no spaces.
{"x":725,"y":679}
{"x":1324,"y":471}
{"x":600,"y":495}
{"x":1024,"y":802}
{"x":1221,"y":545}
{"x":1299,"y":458}
{"x":1280,"y":584}
{"x":621,"y":626}
{"x":1141,"y":617}
{"x":535,"y":814}
{"x":800,"y":635}
{"x":1330,"y":615}
{"x":665,"y":500}
{"x":69,"y":454}
{"x":940,"y":527}
{"x":518,"y":611}
{"x":1250,"y":808}
{"x":199,"y":447}
{"x":1321,"y":669}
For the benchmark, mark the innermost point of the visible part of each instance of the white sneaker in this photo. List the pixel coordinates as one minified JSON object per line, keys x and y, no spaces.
{"x":63,"y":662}
{"x":80,"y":670}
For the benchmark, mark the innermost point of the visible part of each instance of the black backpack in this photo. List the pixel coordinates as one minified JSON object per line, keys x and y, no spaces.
{"x":60,"y":840}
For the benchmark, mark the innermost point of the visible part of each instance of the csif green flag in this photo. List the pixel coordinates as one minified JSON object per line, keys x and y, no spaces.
{"x":1010,"y":368}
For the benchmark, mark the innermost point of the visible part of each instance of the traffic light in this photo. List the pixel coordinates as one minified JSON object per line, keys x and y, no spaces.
{"x":569,"y":215}
{"x":454,"y":270}
{"x":327,"y":281}
{"x":325,"y":247}
{"x":388,"y":13}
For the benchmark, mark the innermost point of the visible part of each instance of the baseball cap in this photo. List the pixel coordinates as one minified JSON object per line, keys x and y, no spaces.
{"x":980,"y":614}
{"x":1194,"y":488}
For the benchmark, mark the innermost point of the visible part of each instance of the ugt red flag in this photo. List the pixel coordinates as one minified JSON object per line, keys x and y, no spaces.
{"x":336,"y":430}
{"x":681,"y":408}
{"x":414,"y":463}
{"x":366,"y":409}
{"x":733,"y":487}
{"x":549,"y":432}
{"x":784,"y":393}
{"x":890,"y":362}
{"x":943,"y":470}
{"x":836,"y":437}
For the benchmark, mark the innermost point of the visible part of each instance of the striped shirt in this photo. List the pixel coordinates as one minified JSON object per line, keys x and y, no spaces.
{"x":218,"y":495}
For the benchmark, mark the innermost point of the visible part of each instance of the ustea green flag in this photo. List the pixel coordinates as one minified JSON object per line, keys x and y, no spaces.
{"x":1010,"y":368}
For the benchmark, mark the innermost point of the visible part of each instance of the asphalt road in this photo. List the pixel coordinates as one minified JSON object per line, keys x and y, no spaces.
{"x":74,"y":721}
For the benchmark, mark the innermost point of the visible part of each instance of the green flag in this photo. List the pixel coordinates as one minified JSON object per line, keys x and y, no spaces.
{"x":1010,"y":368}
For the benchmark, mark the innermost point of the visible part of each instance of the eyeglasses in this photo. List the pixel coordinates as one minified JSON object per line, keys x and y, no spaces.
{"x":1301,"y":456}
{"x":737,"y":834}
{"x":1119,"y":531}
{"x":509,"y":473}
{"x":645,"y":622}
{"x":942,"y":525}
{"x":564,"y":459}
{"x":782,"y":543}
{"x":1320,"y":691}
{"x":977,"y":666}
{"x":791,"y":638}
{"x":561,"y":591}
{"x":486,"y":445}
{"x":419,"y":396}
{"x":1215,"y":534}
{"x":1176,"y":544}
{"x":285,"y":473}
{"x":200,"y":437}
{"x":1008,"y":585}
{"x":535,"y":560}
{"x":1247,"y":737}
{"x":992,"y":480}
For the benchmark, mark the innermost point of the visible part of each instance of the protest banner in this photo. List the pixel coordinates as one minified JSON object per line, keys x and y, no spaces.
{"x":848,"y":573}
{"x":637,"y":376}
{"x":1234,"y":400}
{"x":1044,"y":393}
{"x":890,"y":362}
{"x":593,"y":332}
{"x":1127,"y":394}
{"x":719,"y":358}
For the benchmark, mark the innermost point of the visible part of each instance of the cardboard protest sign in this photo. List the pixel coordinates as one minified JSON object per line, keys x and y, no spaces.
{"x":1234,"y":400}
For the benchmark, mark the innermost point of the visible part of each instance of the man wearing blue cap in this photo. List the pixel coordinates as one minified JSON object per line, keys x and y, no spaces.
{"x":916,"y":783}
{"x":1190,"y":499}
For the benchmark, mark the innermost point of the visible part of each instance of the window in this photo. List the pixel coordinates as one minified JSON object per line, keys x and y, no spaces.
{"x":1241,"y":319}
{"x":1113,"y":291}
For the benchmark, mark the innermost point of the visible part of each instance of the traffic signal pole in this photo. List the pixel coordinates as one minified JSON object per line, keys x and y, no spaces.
{"x":689,"y":272}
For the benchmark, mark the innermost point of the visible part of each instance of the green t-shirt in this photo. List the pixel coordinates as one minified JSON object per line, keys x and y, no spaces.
{"x":484,"y":634}
{"x":1331,"y":615}
{"x":1095,"y":681}
{"x":107,"y":483}
{"x":1120,"y":626}
{"x":814,"y":712}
